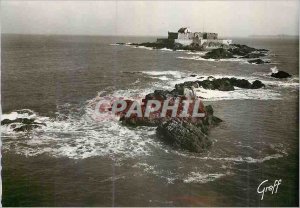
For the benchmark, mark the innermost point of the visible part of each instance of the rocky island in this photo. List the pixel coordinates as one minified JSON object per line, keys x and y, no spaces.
{"x":184,"y":39}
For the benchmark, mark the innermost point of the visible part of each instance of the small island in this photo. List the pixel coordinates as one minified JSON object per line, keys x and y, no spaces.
{"x":216,"y":48}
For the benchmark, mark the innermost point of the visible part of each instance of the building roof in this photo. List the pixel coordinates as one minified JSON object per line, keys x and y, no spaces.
{"x":184,"y":30}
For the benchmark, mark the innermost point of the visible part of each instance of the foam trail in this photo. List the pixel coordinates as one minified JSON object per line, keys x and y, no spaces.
{"x":196,"y":177}
{"x":274,"y":70}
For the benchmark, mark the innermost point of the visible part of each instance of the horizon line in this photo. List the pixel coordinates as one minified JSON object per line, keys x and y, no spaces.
{"x":127,"y":35}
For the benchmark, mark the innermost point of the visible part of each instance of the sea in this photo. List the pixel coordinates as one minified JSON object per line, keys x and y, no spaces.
{"x":77,"y":160}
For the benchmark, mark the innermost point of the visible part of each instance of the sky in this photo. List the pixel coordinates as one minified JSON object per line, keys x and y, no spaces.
{"x":150,"y":18}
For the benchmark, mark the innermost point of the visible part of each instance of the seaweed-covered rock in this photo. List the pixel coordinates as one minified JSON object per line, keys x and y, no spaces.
{"x":257,"y":84}
{"x":187,"y":135}
{"x":219,"y":53}
{"x":27,"y":127}
{"x":228,"y":84}
{"x":159,"y":95}
{"x":17,"y":120}
{"x":22,"y":124}
{"x":240,"y":50}
{"x":241,"y":83}
{"x":281,"y":74}
{"x":258,"y":61}
{"x":184,"y":135}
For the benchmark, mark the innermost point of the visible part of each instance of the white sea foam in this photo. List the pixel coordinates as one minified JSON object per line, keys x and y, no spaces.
{"x":144,"y":47}
{"x":196,"y":177}
{"x":170,"y":177}
{"x":274,"y":70}
{"x":166,"y":49}
{"x":238,"y":94}
{"x":201,"y":53}
{"x":80,"y":138}
{"x":175,"y":74}
{"x":196,"y":58}
{"x":163,"y":78}
{"x":238,"y":159}
{"x":199,"y":58}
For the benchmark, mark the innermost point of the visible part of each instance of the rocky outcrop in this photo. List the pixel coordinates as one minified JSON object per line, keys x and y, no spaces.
{"x":235,"y":50}
{"x":22,"y":124}
{"x":257,"y":84}
{"x":183,"y":135}
{"x":222,"y":84}
{"x":281,"y":75}
{"x":219,"y":53}
{"x":186,"y":135}
{"x":258,"y":61}
{"x":241,"y":50}
{"x":184,"y":132}
{"x":155,"y":118}
{"x":169,"y":45}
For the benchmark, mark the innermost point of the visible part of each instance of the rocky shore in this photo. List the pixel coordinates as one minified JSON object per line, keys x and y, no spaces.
{"x":252,"y":55}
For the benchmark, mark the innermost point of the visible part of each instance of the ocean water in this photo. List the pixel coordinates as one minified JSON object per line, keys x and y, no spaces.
{"x":77,"y":160}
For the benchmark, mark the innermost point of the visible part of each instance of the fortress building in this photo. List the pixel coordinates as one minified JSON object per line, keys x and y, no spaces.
{"x":186,"y":37}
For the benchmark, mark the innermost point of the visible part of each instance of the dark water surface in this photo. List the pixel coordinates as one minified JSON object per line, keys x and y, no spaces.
{"x":77,"y":161}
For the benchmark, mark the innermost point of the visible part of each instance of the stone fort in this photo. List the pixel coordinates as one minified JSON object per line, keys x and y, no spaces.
{"x":186,"y":37}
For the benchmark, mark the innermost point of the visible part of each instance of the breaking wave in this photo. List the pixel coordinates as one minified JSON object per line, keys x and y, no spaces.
{"x":78,"y":137}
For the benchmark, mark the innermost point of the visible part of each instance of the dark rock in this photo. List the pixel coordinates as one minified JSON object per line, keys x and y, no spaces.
{"x":257,"y":61}
{"x":240,"y":50}
{"x":17,"y":120}
{"x":217,"y":84}
{"x":210,"y":119}
{"x":183,"y":135}
{"x":257,"y":84}
{"x":241,"y":83}
{"x":180,"y":88}
{"x":226,"y":86}
{"x":219,"y":53}
{"x":222,"y":84}
{"x":193,"y":75}
{"x":29,"y":124}
{"x":159,"y":95}
{"x":26,"y":127}
{"x":281,"y":74}
{"x":262,"y":50}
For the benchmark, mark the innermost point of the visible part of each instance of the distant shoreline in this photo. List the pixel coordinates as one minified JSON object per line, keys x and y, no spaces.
{"x":275,"y":36}
{"x":159,"y":36}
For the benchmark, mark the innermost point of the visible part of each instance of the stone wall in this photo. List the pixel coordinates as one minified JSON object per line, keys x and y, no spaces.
{"x":210,"y":36}
{"x":184,"y":42}
{"x":185,"y":35}
{"x":172,"y":35}
{"x":198,"y":35}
